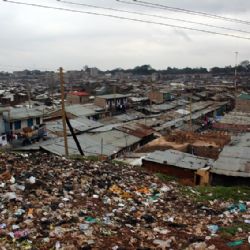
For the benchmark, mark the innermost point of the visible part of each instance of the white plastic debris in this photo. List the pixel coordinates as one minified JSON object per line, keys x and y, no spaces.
{"x":58,"y":245}
{"x":12,"y":180}
{"x":163,"y":244}
{"x":165,"y":189}
{"x":10,"y":196}
{"x":2,"y":185}
{"x":32,"y":180}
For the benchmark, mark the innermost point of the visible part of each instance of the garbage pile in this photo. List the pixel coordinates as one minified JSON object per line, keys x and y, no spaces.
{"x":50,"y":202}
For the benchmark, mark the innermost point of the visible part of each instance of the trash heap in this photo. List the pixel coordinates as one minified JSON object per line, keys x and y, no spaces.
{"x":49,"y":202}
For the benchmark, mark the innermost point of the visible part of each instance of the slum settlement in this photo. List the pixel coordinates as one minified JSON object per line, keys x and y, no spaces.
{"x":124,"y":161}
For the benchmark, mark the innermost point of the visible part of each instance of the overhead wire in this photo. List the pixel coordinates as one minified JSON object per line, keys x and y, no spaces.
{"x":191,"y":12}
{"x":152,"y":15}
{"x":126,"y":18}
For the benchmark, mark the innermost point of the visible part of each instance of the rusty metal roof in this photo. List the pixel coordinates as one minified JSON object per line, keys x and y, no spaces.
{"x":136,"y":129}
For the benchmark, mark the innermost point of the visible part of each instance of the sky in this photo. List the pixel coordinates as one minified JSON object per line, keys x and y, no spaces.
{"x":36,"y":38}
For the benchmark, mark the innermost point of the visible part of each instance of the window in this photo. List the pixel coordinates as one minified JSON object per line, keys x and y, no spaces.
{"x":30,"y":122}
{"x":17,"y":125}
{"x":38,"y":122}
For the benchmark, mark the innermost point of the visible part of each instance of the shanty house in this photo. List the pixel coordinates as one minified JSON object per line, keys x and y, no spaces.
{"x":112,"y":102}
{"x":159,"y":96}
{"x":188,"y":168}
{"x":78,"y":97}
{"x":243,"y":103}
{"x":17,"y":119}
{"x":233,"y":165}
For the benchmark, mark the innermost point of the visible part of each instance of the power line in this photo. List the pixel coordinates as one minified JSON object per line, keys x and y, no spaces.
{"x":152,"y":15}
{"x":186,"y":11}
{"x":126,"y":18}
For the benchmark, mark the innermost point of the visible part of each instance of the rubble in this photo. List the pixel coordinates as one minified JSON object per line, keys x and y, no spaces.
{"x":50,"y":202}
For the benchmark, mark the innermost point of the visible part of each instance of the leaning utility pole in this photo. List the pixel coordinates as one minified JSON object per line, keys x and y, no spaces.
{"x":63,"y":113}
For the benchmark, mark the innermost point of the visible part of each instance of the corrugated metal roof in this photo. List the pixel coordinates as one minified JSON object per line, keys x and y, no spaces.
{"x":80,"y":110}
{"x":164,"y":107}
{"x":113,"y":96}
{"x":129,"y":116}
{"x":242,"y":140}
{"x":113,"y":142}
{"x":80,"y":124}
{"x":234,"y":159}
{"x":89,"y":147}
{"x":244,"y":96}
{"x":138,"y":99}
{"x":22,"y":113}
{"x":116,"y":138}
{"x":79,"y":93}
{"x":106,"y":128}
{"x":179,"y":159}
{"x":136,"y":129}
{"x":232,"y":167}
{"x":236,"y":118}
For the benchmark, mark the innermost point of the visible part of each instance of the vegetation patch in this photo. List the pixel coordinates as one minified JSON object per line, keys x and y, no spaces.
{"x":166,"y":178}
{"x":208,"y":193}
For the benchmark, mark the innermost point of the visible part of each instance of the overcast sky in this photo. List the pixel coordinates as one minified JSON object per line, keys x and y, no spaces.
{"x":47,"y":39}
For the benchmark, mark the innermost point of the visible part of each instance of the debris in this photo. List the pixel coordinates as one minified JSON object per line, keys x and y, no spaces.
{"x":235,"y":243}
{"x":163,"y":244}
{"x":213,"y":228}
{"x":58,"y":203}
{"x":32,"y":180}
{"x":241,"y":207}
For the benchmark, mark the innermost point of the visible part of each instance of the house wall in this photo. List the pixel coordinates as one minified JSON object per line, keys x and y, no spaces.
{"x":156,"y":96}
{"x":185,"y":176}
{"x":57,"y":115}
{"x":74,"y":99}
{"x":24,"y":124}
{"x":242,"y":105}
{"x":2,"y":127}
{"x":224,"y":180}
{"x":204,"y":151}
{"x":100,"y":102}
{"x":110,"y":104}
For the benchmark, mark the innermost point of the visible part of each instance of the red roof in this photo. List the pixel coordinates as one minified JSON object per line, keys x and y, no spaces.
{"x":78,"y":93}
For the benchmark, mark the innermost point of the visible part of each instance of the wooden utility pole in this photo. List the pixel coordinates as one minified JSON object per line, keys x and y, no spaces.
{"x":235,"y":77}
{"x":150,"y":101}
{"x":190,"y":112}
{"x":114,"y":93}
{"x":52,"y":83}
{"x":63,"y":113}
{"x":28,"y":92}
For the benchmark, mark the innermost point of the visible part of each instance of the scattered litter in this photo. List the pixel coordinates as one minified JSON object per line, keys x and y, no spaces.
{"x":213,"y":228}
{"x":58,"y":203}
{"x":235,"y":243}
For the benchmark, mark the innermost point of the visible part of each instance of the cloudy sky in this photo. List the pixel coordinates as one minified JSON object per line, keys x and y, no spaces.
{"x":47,"y":39}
